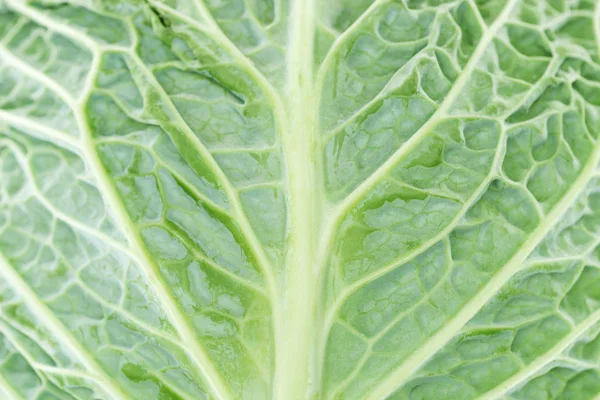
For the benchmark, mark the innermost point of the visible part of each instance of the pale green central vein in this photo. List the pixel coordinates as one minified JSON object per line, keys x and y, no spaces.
{"x":300,"y":332}
{"x":296,"y":330}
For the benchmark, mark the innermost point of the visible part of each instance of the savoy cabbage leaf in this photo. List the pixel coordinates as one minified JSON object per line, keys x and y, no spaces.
{"x":299,"y":199}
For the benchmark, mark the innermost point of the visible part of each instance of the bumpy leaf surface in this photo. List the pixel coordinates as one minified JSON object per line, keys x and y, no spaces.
{"x":299,"y":199}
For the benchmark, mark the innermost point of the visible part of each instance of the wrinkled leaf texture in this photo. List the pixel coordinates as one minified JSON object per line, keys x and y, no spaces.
{"x":299,"y":199}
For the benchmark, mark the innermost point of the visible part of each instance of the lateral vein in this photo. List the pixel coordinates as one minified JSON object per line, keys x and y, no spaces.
{"x":202,"y":361}
{"x":532,"y":92}
{"x":453,"y":326}
{"x":440,"y":113}
{"x":425,"y":245}
{"x":341,"y":38}
{"x":60,"y":215}
{"x":6,"y":328}
{"x":42,"y":311}
{"x":263,"y":262}
{"x":540,"y":362}
{"x":244,"y":61}
{"x":43,"y":132}
{"x":8,"y":389}
{"x":195,"y":350}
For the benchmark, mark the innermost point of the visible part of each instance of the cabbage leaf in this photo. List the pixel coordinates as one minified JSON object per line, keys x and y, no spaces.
{"x":299,"y":199}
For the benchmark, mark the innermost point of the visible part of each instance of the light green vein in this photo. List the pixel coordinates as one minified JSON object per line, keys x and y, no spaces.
{"x":45,"y":315}
{"x":354,"y":286}
{"x":178,"y":176}
{"x":194,"y":349}
{"x":338,"y":211}
{"x":329,"y":58}
{"x":439,"y":114}
{"x":494,"y":172}
{"x":295,"y":334}
{"x":8,"y":390}
{"x":454,"y":325}
{"x":7,"y":327}
{"x":539,"y":363}
{"x":60,"y":215}
{"x":244,"y":224}
{"x":40,"y":131}
{"x":243,"y":61}
{"x":202,"y":361}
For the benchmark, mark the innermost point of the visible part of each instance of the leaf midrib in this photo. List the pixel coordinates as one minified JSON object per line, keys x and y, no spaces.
{"x":355,"y":196}
{"x":294,"y":327}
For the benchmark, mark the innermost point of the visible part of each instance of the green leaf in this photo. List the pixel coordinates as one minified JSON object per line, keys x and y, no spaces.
{"x":296,"y":199}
